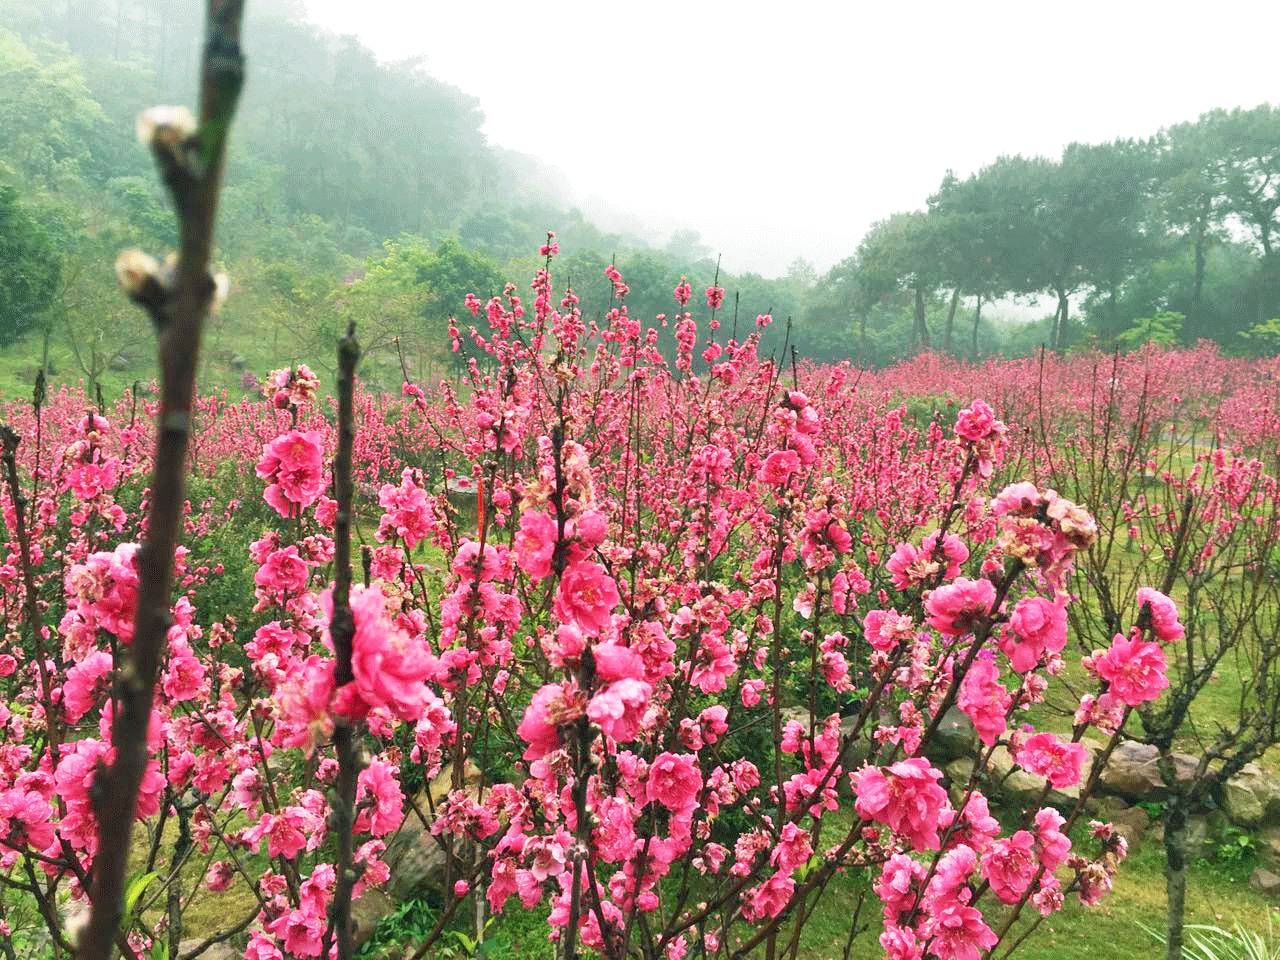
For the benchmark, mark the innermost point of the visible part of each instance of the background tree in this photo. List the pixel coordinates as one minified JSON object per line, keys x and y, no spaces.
{"x":31,"y":268}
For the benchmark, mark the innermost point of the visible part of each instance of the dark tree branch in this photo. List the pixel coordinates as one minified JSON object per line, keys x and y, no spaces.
{"x":178,"y":299}
{"x":342,"y":629}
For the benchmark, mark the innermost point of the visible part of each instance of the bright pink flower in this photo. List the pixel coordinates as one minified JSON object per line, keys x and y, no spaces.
{"x":616,"y":662}
{"x":778,"y":467}
{"x":957,"y":608}
{"x":1038,"y":626}
{"x":586,"y":598}
{"x":184,"y":679}
{"x":619,"y":708}
{"x":1057,"y":761}
{"x":905,"y":797}
{"x":293,"y":463}
{"x":900,"y":943}
{"x":674,"y":781}
{"x":535,"y":543}
{"x":87,"y":683}
{"x":1054,"y":845}
{"x":959,"y":932}
{"x":102,"y":594}
{"x":1135,"y":669}
{"x":985,"y":700}
{"x":390,"y":667}
{"x":898,"y":886}
{"x":976,"y":421}
{"x":284,"y":572}
{"x":909,"y":566}
{"x":770,"y":898}
{"x":1010,"y":866}
{"x":1164,"y":614}
{"x":379,"y":800}
{"x":407,"y":511}
{"x":885,"y":629}
{"x":262,"y":947}
{"x":539,"y":728}
{"x":468,"y":563}
{"x":25,"y":819}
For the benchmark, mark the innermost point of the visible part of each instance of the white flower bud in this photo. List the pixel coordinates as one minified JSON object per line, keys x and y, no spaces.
{"x":169,"y":126}
{"x":221,"y":287}
{"x":134,"y":269}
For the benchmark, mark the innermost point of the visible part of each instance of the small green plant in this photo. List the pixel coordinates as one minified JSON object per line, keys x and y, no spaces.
{"x":1153,"y":808}
{"x":1204,"y":942}
{"x":1236,"y":846}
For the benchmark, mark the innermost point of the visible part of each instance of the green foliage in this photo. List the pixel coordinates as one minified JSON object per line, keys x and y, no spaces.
{"x":1163,"y":329}
{"x":1208,"y":942}
{"x":1265,"y":335}
{"x":31,"y":268}
{"x":1235,"y":846}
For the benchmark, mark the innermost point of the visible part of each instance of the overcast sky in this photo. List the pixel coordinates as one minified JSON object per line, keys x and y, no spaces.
{"x":784,"y":129}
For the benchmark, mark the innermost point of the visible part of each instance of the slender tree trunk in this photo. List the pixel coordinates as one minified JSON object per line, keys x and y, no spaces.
{"x":1175,"y":873}
{"x":1201,"y":255}
{"x":977,"y":318}
{"x":862,"y":335}
{"x":951,"y":320}
{"x":922,"y":325}
{"x":1060,"y":320}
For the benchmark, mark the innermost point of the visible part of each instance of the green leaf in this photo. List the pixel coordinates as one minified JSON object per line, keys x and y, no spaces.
{"x":134,"y":888}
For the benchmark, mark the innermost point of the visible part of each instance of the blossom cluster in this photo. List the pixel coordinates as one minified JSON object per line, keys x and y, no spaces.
{"x":590,"y":584}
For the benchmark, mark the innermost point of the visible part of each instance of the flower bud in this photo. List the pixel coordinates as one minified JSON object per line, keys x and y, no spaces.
{"x":135,"y":269}
{"x":165,"y":126}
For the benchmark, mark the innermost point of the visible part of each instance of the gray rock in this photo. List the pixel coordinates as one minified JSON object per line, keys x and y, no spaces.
{"x":219,"y":951}
{"x":955,"y":737}
{"x":373,"y":905}
{"x":857,"y":750}
{"x":414,"y":856}
{"x":1265,"y":882}
{"x":958,"y":772}
{"x":1132,"y":772}
{"x":1131,"y":823}
{"x":1252,"y":798}
{"x":1016,"y":784}
{"x":1268,"y":843}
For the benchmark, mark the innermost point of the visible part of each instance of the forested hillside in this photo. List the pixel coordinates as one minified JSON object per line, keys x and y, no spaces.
{"x":366,"y":190}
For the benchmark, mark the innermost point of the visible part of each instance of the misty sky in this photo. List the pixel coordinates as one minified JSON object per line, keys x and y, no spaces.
{"x":784,"y":129}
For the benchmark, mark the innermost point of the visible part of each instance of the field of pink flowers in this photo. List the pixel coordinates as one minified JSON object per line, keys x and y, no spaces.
{"x":674,"y":621}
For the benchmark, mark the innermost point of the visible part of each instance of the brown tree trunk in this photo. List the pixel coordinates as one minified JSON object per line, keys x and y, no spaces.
{"x":951,"y":320}
{"x":921,"y":324}
{"x":1201,"y":242}
{"x":1175,"y":873}
{"x":977,"y":318}
{"x":1060,"y":321}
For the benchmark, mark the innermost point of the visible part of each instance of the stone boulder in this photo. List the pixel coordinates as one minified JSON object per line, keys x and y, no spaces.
{"x":416,"y":860}
{"x":958,"y":772}
{"x":414,"y":856}
{"x":1265,"y":882}
{"x":216,"y":951}
{"x":1131,"y":823}
{"x":1199,"y":834}
{"x":955,"y":737}
{"x":1251,"y":798}
{"x":1268,"y":843}
{"x":1005,"y":778}
{"x":1132,"y":772}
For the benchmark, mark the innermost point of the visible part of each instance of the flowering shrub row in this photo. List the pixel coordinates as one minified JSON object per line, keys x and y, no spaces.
{"x":677,"y":628}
